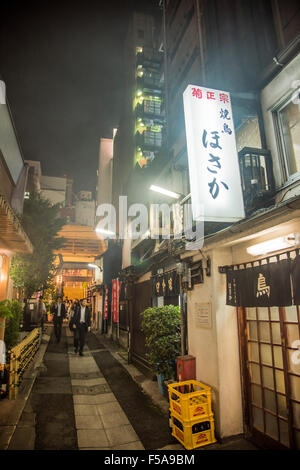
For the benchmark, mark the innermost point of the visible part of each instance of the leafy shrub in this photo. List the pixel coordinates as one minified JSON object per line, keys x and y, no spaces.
{"x":161,"y":326}
{"x":12,"y":324}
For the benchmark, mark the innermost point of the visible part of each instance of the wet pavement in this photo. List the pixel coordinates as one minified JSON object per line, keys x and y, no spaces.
{"x":88,"y":403}
{"x":94,"y":402}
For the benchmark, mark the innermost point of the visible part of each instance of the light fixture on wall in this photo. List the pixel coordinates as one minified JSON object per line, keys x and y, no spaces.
{"x":277,"y":244}
{"x":166,"y":192}
{"x":91,"y":265}
{"x":104,"y":231}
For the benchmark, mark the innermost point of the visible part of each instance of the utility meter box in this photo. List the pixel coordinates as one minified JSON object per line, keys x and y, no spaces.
{"x":186,"y":368}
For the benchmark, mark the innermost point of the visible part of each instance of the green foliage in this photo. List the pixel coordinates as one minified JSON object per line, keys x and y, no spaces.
{"x":5,"y":311}
{"x":49,"y":295}
{"x":161,"y":326}
{"x":35,"y":271}
{"x":12,"y":324}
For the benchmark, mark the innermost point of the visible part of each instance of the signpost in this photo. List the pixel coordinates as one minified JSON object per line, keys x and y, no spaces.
{"x":216,"y":190}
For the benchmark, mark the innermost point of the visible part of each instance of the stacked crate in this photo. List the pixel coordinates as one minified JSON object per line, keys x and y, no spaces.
{"x":191,"y":413}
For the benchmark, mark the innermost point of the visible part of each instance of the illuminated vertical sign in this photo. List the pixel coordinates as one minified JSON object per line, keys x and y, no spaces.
{"x":216,"y":190}
{"x":105,"y":308}
{"x":116,"y":288}
{"x":115,"y":300}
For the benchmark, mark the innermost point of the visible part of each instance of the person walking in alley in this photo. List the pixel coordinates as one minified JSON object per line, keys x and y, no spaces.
{"x":81,"y":324}
{"x":75,"y":305}
{"x":59,"y":313}
{"x":41,"y":312}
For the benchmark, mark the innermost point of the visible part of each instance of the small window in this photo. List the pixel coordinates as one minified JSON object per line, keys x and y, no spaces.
{"x":288,"y":118}
{"x":140,"y":33}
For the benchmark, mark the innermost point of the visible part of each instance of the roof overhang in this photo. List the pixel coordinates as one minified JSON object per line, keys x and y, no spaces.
{"x":12,"y":235}
{"x":251,"y":227}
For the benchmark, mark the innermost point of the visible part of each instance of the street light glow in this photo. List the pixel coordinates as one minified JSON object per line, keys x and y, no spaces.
{"x":104,"y":231}
{"x":166,"y":192}
{"x":93,"y":265}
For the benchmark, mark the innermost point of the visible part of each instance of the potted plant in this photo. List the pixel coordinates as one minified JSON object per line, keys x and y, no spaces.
{"x":161,"y":326}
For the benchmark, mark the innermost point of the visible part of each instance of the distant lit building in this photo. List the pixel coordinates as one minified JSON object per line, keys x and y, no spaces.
{"x":85,"y":209}
{"x":81,"y":247}
{"x":13,"y":181}
{"x":56,"y":189}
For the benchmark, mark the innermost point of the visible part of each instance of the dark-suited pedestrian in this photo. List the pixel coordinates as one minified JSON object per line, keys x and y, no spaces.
{"x":75,"y":305}
{"x":59,"y":313}
{"x":81,"y":325}
{"x":41,"y":312}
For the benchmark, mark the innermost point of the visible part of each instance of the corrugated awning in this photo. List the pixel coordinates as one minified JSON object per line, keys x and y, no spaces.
{"x":12,"y":235}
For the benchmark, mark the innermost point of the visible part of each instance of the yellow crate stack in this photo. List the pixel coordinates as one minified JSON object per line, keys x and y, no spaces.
{"x":191,"y":413}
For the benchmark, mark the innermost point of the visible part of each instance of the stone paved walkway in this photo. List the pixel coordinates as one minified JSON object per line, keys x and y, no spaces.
{"x":101,"y":424}
{"x":94,"y":402}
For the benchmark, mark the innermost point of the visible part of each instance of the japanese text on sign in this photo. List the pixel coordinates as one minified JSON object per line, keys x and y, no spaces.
{"x":216,"y":190}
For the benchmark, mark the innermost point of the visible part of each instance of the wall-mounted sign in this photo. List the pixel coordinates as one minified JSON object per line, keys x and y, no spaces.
{"x":215,"y":181}
{"x":202,"y":314}
{"x":105,"y":308}
{"x":116,"y":288}
{"x":166,"y":284}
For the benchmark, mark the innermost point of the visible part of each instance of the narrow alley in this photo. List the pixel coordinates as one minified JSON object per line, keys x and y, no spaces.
{"x":88,"y":402}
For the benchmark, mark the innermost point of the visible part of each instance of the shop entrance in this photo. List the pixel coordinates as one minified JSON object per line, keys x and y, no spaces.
{"x":270,"y":362}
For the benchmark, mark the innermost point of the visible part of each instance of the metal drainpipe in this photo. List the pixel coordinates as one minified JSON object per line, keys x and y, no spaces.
{"x":200,"y":33}
{"x":182,"y":318}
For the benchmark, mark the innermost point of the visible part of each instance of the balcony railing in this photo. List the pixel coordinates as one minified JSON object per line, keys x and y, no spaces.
{"x":149,"y":80}
{"x":150,"y":140}
{"x":141,"y":59}
{"x":257,"y":177}
{"x":150,"y":109}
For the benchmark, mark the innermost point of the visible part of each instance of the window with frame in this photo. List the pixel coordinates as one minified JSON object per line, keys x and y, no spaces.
{"x":288,"y":121}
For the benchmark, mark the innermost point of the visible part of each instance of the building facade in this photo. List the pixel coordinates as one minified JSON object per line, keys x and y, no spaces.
{"x":85,"y":209}
{"x":75,"y":258}
{"x":13,"y":179}
{"x":246,"y":350}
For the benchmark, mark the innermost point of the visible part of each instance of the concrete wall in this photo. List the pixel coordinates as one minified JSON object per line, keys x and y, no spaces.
{"x":85,"y":213}
{"x":55,"y":197}
{"x":216,"y":347}
{"x":54,"y":188}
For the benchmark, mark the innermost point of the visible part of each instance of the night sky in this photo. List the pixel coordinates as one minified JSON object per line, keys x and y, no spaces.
{"x":62,"y":62}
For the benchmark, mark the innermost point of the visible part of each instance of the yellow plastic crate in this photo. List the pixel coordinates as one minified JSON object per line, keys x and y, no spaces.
{"x":190,"y":400}
{"x":195,"y":434}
